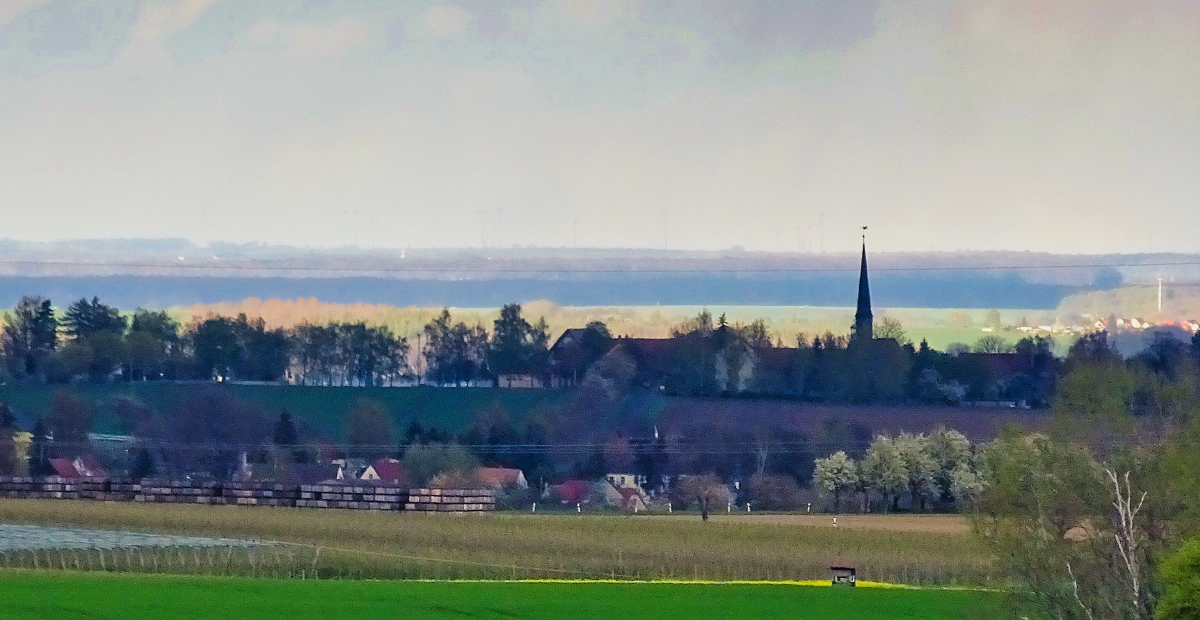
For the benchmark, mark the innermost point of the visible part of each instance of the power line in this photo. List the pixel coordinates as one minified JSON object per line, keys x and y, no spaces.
{"x":569,"y":270}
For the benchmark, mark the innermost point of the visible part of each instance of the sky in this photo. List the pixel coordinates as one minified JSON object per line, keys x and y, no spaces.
{"x":1044,"y":125}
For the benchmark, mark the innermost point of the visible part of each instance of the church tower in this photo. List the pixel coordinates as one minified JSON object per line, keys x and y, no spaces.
{"x":864,"y":326}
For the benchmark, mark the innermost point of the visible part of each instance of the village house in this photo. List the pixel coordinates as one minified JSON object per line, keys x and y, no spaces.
{"x":501,"y":478}
{"x":385,"y":471}
{"x":83,"y":466}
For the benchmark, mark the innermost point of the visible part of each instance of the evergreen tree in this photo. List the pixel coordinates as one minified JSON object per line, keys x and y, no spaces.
{"x":30,"y":336}
{"x":39,"y":450}
{"x":84,"y":319}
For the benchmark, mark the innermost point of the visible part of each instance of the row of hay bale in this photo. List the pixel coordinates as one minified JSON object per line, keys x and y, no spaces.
{"x":450,"y":500}
{"x":352,"y":497}
{"x":57,"y":487}
{"x":156,"y":491}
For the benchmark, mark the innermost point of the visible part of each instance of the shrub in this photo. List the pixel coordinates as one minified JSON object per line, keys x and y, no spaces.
{"x":1181,"y":584}
{"x":774,"y":492}
{"x":424,"y":463}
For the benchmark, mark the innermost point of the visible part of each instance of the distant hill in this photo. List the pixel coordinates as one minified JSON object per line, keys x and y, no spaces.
{"x":888,"y":289}
{"x":173,"y":272}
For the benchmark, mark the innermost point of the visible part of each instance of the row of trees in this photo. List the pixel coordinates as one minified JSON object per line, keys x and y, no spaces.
{"x":935,"y":470}
{"x":98,"y":342}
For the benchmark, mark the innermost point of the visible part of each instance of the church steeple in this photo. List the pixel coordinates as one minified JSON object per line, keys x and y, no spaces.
{"x":864,"y":326}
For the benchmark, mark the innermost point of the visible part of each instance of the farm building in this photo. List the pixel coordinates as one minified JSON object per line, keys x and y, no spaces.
{"x":501,"y":477}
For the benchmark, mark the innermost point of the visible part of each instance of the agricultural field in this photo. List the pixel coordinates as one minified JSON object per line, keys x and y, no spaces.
{"x":914,"y":550}
{"x":940,"y":326}
{"x":321,"y":411}
{"x":37,"y":595}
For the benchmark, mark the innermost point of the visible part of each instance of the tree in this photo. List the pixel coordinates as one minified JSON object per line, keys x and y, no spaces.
{"x":370,"y":429}
{"x":1181,"y":587}
{"x":30,"y":336}
{"x":216,"y":347}
{"x":1092,"y":348}
{"x":285,"y":433}
{"x":84,"y":319}
{"x":707,"y":491}
{"x":39,"y":450}
{"x":950,"y":452}
{"x":890,"y":327}
{"x":835,"y":474}
{"x":992,"y":320}
{"x":517,"y":347}
{"x":152,"y":345}
{"x":9,"y":465}
{"x":1073,"y":533}
{"x":422,"y":463}
{"x":454,"y":353}
{"x":70,"y":419}
{"x":260,"y":354}
{"x":992,"y":344}
{"x":756,"y":335}
{"x":210,"y":428}
{"x":920,"y":467}
{"x":774,"y":492}
{"x":883,"y":470}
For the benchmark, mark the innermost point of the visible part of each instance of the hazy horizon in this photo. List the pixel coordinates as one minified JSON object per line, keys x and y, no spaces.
{"x":781,"y":126}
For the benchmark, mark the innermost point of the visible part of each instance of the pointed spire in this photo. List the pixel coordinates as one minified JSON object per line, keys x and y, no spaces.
{"x":863,"y":319}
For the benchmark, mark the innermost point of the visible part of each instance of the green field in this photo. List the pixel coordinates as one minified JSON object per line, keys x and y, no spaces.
{"x":917,"y":550}
{"x":322,"y":408}
{"x":36,"y":596}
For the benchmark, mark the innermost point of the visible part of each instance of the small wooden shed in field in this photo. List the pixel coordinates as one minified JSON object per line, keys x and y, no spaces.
{"x":843,"y":576}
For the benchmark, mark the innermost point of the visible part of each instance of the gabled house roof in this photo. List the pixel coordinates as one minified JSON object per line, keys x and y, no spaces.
{"x":386,"y":470}
{"x":63,"y":468}
{"x":89,"y":467}
{"x":84,"y":466}
{"x":499,"y":477}
{"x":314,"y":473}
{"x":572,"y":491}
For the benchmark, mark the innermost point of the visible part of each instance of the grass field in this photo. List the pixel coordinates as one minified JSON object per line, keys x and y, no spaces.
{"x":323,"y":409}
{"x":900,"y":549}
{"x":35,"y":596}
{"x":941,"y":326}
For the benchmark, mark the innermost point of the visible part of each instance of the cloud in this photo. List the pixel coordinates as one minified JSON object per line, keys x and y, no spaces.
{"x":325,"y":40}
{"x":446,"y":20}
{"x":157,"y":21}
{"x":263,"y":32}
{"x":592,"y":13}
{"x":12,"y":9}
{"x":311,"y":40}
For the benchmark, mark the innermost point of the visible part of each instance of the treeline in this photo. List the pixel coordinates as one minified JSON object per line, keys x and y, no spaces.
{"x":1098,"y":515}
{"x":706,"y":358}
{"x":94,"y":341}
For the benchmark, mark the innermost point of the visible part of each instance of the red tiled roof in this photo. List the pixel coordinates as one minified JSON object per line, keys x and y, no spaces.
{"x":89,"y":467}
{"x":572,"y":491}
{"x":390,"y":471}
{"x":498,"y":476}
{"x":63,"y":468}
